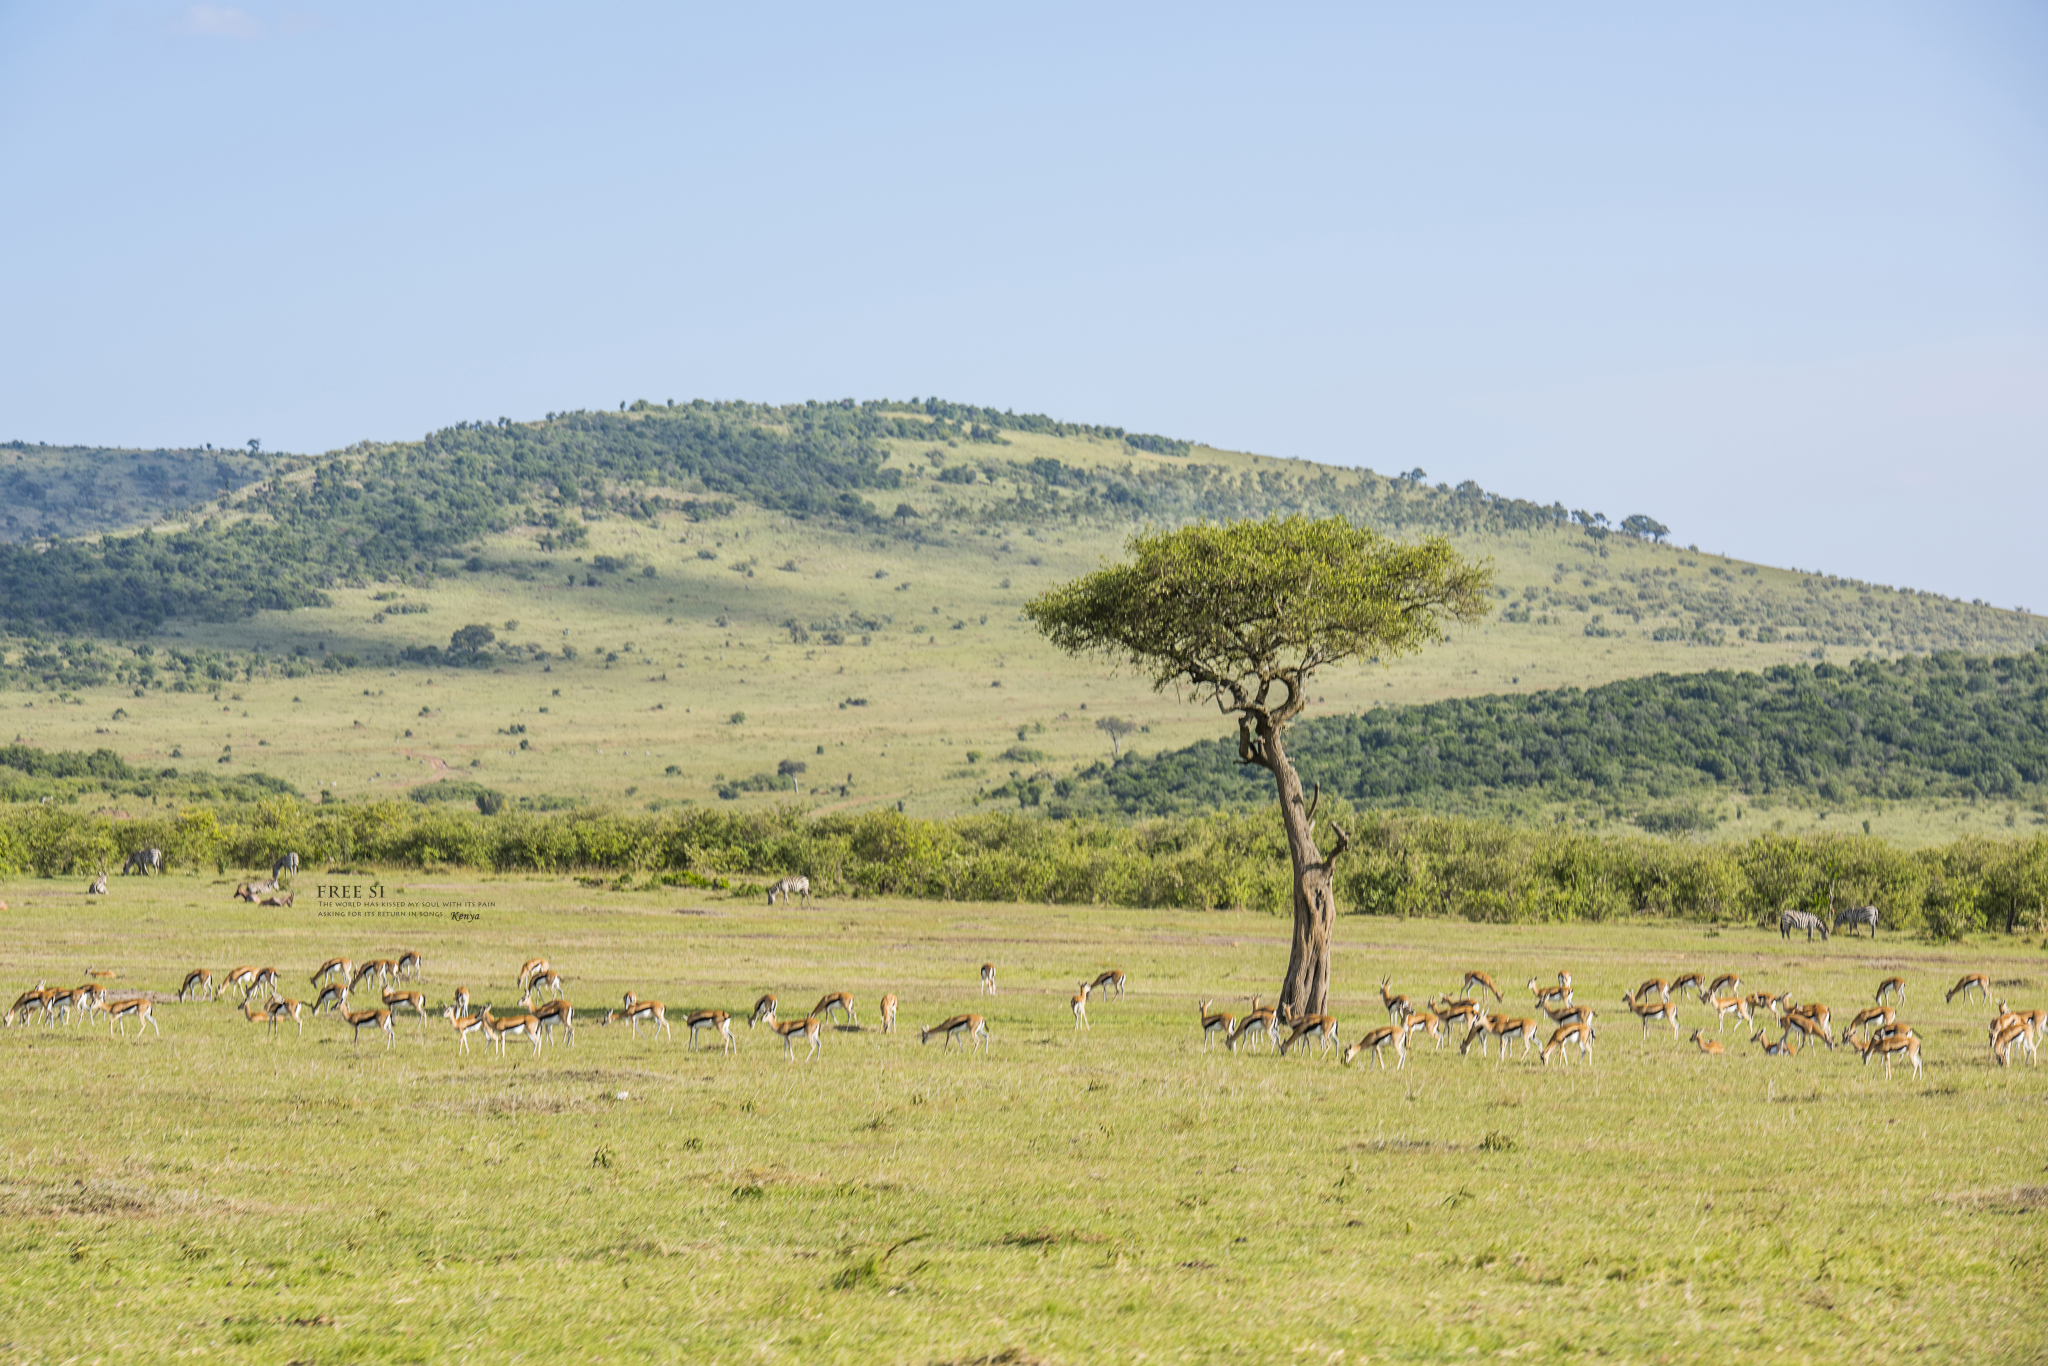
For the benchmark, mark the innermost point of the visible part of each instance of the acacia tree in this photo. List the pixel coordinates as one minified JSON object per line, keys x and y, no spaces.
{"x":1243,"y":614}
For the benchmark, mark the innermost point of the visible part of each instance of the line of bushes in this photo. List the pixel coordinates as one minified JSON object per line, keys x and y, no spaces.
{"x":1400,"y":864}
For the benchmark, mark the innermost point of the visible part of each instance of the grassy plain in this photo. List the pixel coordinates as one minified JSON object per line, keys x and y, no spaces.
{"x":1114,"y":1195}
{"x":955,"y":669}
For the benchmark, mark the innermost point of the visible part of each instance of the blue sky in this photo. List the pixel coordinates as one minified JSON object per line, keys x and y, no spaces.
{"x":1776,"y":275}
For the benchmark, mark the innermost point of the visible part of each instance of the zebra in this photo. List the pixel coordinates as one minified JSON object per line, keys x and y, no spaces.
{"x":795,"y":885}
{"x":1853,"y":916}
{"x":144,"y":861}
{"x":289,"y":864}
{"x":1789,"y":921}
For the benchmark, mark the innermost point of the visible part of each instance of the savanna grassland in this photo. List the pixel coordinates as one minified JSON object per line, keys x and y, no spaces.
{"x":653,"y":645}
{"x":1119,"y":1194}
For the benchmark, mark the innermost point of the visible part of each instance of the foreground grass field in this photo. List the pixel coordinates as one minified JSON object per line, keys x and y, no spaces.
{"x":1114,"y":1195}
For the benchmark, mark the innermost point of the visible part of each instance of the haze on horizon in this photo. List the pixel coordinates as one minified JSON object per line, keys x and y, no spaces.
{"x":1777,"y":277}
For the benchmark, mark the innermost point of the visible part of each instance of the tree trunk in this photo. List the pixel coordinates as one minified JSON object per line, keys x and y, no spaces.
{"x":1306,"y":990}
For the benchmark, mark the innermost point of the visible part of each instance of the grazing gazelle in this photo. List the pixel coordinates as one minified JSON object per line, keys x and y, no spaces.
{"x":331,"y":995}
{"x":764,"y":1011}
{"x":790,"y":1029}
{"x":1113,"y":978}
{"x":528,"y":970}
{"x":1656,"y":984}
{"x":550,"y":979}
{"x":408,"y":965}
{"x":841,"y":1001}
{"x":1421,"y":1020}
{"x":1711,"y":1047}
{"x":1647,"y":1011}
{"x":383,"y":969}
{"x":1780,"y":1049}
{"x":637,"y":1010}
{"x":972,"y":1027}
{"x":1398,"y":1007}
{"x":1222,"y":1022}
{"x":716,"y":1021}
{"x":198,"y":984}
{"x":341,"y":969}
{"x":1386,"y":1036}
{"x":1565,"y":1037}
{"x":358,"y":1020}
{"x":889,"y":1013}
{"x":1728,"y":982}
{"x":1456,"y":1014}
{"x":1545,"y":995}
{"x":1322,"y":1030}
{"x":265,"y":977}
{"x":1476,"y":978}
{"x":416,"y":1000}
{"x":2012,"y":1030}
{"x":1258,"y":1020}
{"x":241,"y":979}
{"x":1894,"y":987}
{"x":1887,"y":1047}
{"x":282,"y":1006}
{"x":1689,"y":981}
{"x":1814,"y":1021}
{"x":1873,"y":1017}
{"x":1078,"y":1003}
{"x":988,"y":979}
{"x":1976,"y":981}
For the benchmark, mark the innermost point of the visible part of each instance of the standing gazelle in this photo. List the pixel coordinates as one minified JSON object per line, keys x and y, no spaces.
{"x":1977,"y":981}
{"x":1222,"y":1022}
{"x":1894,"y":987}
{"x":988,"y":979}
{"x":1565,"y":1037}
{"x":1321,"y":1032}
{"x":841,"y":1001}
{"x":718,"y":1022}
{"x":790,"y":1029}
{"x":358,"y":1020}
{"x":1386,"y":1036}
{"x":1476,"y":978}
{"x":1112,"y":978}
{"x":198,"y":984}
{"x":889,"y":1013}
{"x":136,"y":1008}
{"x":1078,"y":1003}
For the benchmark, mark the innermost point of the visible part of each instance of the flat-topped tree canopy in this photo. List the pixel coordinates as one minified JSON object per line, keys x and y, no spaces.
{"x":1243,"y":614}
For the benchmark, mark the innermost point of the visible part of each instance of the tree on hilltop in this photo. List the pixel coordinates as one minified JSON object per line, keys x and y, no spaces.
{"x":1243,"y":614}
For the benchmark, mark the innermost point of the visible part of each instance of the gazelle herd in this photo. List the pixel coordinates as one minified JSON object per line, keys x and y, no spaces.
{"x":1555,"y":1026}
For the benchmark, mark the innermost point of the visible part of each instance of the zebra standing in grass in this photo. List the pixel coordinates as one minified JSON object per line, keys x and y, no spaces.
{"x":1789,"y":921}
{"x":288,"y":865}
{"x":144,"y":861}
{"x":796,"y":885}
{"x":1854,"y":916}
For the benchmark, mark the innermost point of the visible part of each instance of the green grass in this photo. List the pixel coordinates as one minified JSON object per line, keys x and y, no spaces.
{"x":1111,"y":1195}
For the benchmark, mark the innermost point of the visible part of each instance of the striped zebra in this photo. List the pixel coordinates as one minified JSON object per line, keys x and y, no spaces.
{"x":796,"y":885}
{"x":144,"y":861}
{"x":1854,"y":916}
{"x":1789,"y":921}
{"x":289,"y":864}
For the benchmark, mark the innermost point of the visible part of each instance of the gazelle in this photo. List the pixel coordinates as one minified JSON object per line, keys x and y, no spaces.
{"x":1689,"y":981}
{"x":1976,"y":981}
{"x":557,"y":1012}
{"x":1078,"y":1003}
{"x":1647,"y":1011}
{"x":136,"y":1008}
{"x":1321,"y":1032}
{"x":383,"y":969}
{"x":1222,"y":1022}
{"x":528,"y":970}
{"x":512,"y":1027}
{"x":1424,"y":1020}
{"x":889,"y":1013}
{"x":415,"y":1000}
{"x":265,"y":977}
{"x":1656,"y":984}
{"x":1809,"y":1027}
{"x":358,"y":1020}
{"x":408,"y":965}
{"x":1874,"y":1017}
{"x":282,"y":1006}
{"x":1476,"y":978}
{"x":1386,"y":1036}
{"x":340,"y":969}
{"x":1112,"y":978}
{"x":1781,"y":1049}
{"x":30,"y":1002}
{"x":2014,"y":1032}
{"x":464,"y":1023}
{"x":718,"y":1022}
{"x":1724,"y":1006}
{"x":1457,"y":1014}
{"x":198,"y":984}
{"x":1398,"y":1007}
{"x":1711,"y":1047}
{"x":653,"y":1012}
{"x":549,"y":979}
{"x":1764,"y":1000}
{"x":972,"y":1027}
{"x":1545,"y":995}
{"x":331,"y":995}
{"x":1889,"y":1046}
{"x":791,"y":1029}
{"x":461,"y":1001}
{"x":58,"y":1005}
{"x":1259,"y":1019}
{"x":1894,"y":987}
{"x":241,"y":979}
{"x":1563,"y":1040}
{"x":841,"y":1001}
{"x":764,"y":1011}
{"x":988,"y":979}
{"x":1728,"y":982}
